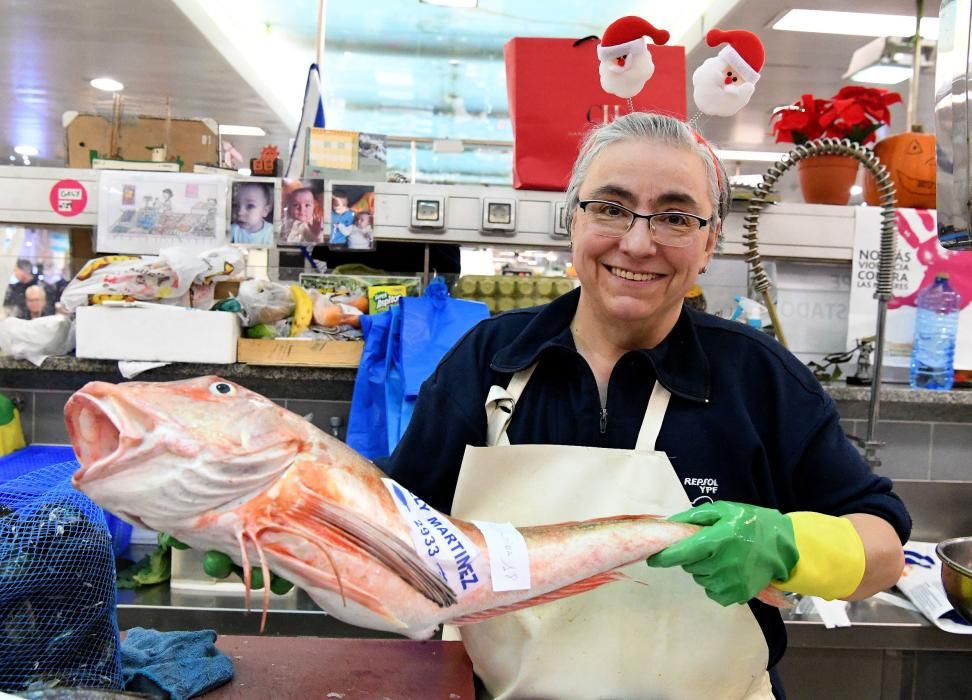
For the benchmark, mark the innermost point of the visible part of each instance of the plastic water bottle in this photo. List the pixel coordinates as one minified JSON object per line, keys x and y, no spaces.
{"x":936,"y":327}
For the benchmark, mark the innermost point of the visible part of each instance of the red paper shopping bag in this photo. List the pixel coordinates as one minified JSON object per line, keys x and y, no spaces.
{"x":555,"y":96}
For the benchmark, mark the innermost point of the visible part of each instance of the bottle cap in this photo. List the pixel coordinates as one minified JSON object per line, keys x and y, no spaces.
{"x":941,"y":276}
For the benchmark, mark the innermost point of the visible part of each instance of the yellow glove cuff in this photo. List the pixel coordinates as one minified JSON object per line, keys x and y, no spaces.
{"x":11,"y":435}
{"x":831,"y":557}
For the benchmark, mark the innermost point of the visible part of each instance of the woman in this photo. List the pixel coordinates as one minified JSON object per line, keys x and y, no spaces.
{"x":616,"y":399}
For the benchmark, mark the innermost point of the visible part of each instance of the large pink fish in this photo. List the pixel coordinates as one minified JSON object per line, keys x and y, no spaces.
{"x":220,"y":467}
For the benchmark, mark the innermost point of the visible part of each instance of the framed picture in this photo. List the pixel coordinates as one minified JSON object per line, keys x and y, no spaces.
{"x":143,"y":212}
{"x":255,"y":212}
{"x":352,"y":217}
{"x":303,"y":212}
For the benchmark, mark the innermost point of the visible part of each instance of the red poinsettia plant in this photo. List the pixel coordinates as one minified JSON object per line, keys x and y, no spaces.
{"x":854,"y":113}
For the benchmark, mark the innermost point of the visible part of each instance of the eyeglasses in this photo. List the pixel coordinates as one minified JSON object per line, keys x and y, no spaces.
{"x":672,"y":228}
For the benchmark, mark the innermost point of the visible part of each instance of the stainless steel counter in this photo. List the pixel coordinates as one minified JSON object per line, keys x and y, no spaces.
{"x":875,"y":625}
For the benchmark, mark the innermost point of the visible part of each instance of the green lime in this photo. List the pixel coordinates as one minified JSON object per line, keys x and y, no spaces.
{"x":260,"y":330}
{"x":217,"y":564}
{"x":256,"y":579}
{"x":280,"y":586}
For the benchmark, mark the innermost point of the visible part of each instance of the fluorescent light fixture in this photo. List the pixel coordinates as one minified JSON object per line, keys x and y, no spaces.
{"x":107,"y":84}
{"x":237,"y":130}
{"x":859,"y":23}
{"x":761,"y":156}
{"x":886,"y":61}
{"x":452,"y":3}
{"x":856,"y":189}
{"x":882,"y":75}
{"x":26,"y":151}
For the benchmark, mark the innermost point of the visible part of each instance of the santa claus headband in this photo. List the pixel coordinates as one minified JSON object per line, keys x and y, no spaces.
{"x":743,"y":51}
{"x":627,"y":36}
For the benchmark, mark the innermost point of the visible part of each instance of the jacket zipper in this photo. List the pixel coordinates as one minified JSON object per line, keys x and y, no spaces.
{"x":603,"y":421}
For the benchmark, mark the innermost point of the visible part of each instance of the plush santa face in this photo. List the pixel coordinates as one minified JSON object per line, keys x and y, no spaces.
{"x":719,"y":90}
{"x":626,"y":75}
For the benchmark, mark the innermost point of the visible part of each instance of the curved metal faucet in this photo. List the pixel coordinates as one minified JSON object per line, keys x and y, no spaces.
{"x":885,"y":275}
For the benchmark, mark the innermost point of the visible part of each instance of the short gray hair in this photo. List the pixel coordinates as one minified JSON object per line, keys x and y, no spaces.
{"x":651,"y":127}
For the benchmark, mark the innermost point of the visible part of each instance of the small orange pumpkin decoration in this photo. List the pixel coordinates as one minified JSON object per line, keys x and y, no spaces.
{"x":910,"y":160}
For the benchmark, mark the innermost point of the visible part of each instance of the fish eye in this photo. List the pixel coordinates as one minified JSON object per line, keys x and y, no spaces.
{"x":221,"y":389}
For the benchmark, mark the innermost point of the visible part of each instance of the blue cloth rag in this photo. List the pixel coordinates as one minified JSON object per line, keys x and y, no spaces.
{"x":181,"y":664}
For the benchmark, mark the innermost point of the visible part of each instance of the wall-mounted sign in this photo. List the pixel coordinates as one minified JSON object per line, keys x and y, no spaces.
{"x":68,"y":197}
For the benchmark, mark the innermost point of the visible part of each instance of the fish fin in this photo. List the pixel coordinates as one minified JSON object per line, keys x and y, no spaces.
{"x":582,"y":586}
{"x":383,"y":546}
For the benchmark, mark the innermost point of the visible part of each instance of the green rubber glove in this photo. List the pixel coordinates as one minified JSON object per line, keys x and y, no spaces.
{"x":738,"y":552}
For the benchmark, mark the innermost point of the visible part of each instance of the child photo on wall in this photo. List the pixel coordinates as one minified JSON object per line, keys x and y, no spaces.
{"x":253,"y":212}
{"x":352,"y":217}
{"x":303,"y":212}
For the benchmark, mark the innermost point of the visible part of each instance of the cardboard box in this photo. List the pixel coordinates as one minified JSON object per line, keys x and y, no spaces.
{"x":156,"y":333}
{"x":300,"y":351}
{"x":191,"y":140}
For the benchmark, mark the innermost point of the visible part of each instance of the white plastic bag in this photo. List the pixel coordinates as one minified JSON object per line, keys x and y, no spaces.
{"x":37,"y":339}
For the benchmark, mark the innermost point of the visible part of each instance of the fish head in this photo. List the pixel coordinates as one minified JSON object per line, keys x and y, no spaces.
{"x":158,"y":453}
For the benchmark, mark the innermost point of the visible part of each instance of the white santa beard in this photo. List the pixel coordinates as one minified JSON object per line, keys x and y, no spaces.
{"x":711,"y":93}
{"x":627,"y":81}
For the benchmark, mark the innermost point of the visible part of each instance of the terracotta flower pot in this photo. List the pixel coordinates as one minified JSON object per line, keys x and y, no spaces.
{"x":910,"y":160}
{"x":827,"y":179}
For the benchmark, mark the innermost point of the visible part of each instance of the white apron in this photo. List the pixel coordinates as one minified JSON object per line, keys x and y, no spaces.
{"x":665,"y":639}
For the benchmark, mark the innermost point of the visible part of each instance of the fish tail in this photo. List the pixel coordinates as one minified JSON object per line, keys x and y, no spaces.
{"x":582,"y":586}
{"x":775,"y":598}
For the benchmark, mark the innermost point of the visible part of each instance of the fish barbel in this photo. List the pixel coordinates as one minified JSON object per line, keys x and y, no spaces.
{"x":223,"y":468}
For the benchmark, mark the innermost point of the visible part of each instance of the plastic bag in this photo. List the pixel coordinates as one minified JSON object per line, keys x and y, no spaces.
{"x":264,"y":302}
{"x":403,"y":346}
{"x":149,"y":278}
{"x":57,"y":586}
{"x":37,"y":339}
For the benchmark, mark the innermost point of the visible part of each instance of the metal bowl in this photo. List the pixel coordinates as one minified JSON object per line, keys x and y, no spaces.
{"x":956,"y":556}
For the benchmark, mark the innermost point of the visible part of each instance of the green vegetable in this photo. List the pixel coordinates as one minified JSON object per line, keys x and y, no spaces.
{"x":280,"y":586}
{"x":217,"y":564}
{"x":150,"y":569}
{"x":167,"y":540}
{"x":261,"y":330}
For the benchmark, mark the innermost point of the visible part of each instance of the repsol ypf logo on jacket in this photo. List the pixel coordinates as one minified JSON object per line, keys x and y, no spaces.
{"x":701,"y":489}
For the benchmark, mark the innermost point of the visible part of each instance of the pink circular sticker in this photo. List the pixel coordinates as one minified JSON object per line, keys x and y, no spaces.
{"x":68,"y":197}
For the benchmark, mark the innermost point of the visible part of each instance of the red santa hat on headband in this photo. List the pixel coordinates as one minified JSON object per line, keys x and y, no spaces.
{"x":626,"y":64}
{"x":743,"y":51}
{"x":723,"y":84}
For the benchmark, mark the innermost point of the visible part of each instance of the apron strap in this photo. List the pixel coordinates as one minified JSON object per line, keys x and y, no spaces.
{"x":500,"y":403}
{"x":654,"y":415}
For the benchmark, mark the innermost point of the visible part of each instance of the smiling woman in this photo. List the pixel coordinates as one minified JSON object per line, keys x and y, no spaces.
{"x":615,"y":398}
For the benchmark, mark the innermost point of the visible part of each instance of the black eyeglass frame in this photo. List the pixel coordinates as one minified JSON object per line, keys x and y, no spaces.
{"x":647,"y":217}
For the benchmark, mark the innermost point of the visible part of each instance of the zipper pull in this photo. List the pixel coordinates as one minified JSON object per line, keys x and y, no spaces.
{"x":603,"y":421}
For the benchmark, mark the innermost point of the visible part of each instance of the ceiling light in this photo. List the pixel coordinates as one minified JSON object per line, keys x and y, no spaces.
{"x":882,"y":75}
{"x":452,"y":3}
{"x":860,"y":23}
{"x":26,"y":151}
{"x":856,"y":189}
{"x":886,"y":61}
{"x":762,"y":156}
{"x":107,"y":84}
{"x":237,"y":130}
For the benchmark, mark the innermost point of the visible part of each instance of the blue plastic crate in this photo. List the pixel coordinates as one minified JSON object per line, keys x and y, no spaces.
{"x":33,"y":457}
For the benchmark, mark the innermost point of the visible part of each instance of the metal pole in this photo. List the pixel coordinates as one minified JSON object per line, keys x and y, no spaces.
{"x":871,"y":445}
{"x":915,"y":70}
{"x":321,"y":24}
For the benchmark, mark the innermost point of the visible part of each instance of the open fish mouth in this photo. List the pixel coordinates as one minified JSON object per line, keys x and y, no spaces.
{"x":94,"y":432}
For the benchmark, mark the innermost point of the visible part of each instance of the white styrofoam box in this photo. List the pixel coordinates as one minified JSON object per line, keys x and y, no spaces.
{"x":157,"y":333}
